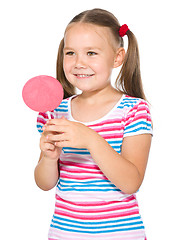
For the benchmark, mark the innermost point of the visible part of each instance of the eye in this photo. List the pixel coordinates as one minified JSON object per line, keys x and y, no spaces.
{"x":69,"y":53}
{"x":91,"y":53}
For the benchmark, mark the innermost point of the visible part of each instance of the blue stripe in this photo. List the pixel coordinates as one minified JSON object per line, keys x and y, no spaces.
{"x":98,"y":227}
{"x":119,"y":151}
{"x":63,"y":105}
{"x":90,"y":185}
{"x":40,"y":131}
{"x":91,"y":181}
{"x":88,"y":190}
{"x":61,"y":110}
{"x":115,"y":142}
{"x":82,"y":153}
{"x":128,"y":102}
{"x":122,"y":106}
{"x":75,"y":148}
{"x":116,"y":148}
{"x":146,"y":124}
{"x":84,"y":150}
{"x":95,"y":232}
{"x":137,"y":129}
{"x":39,"y":126}
{"x":97,"y":223}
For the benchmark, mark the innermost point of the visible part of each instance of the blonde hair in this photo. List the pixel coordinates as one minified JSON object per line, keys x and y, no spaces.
{"x":129,"y":79}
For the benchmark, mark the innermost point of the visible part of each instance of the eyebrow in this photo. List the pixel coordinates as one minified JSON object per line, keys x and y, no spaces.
{"x":87,"y":48}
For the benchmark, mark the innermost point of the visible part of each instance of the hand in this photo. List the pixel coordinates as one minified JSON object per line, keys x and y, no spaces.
{"x":47,"y":147}
{"x":68,"y":133}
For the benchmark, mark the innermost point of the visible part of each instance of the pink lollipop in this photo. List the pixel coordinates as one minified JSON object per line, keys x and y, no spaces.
{"x":42,"y":93}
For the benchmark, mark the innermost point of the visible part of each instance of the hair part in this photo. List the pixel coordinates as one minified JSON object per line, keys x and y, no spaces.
{"x":129,"y":79}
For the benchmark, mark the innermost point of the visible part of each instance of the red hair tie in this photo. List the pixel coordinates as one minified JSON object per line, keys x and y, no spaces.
{"x":123,"y":30}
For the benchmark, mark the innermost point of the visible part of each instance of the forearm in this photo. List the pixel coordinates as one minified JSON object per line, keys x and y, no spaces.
{"x":46,"y":174}
{"x":125,"y":171}
{"x":117,"y":169}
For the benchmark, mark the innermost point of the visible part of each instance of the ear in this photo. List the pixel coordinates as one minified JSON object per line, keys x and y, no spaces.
{"x":119,"y":57}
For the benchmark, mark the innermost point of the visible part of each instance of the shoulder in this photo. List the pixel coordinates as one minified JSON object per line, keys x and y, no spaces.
{"x":129,"y":103}
{"x":63,"y":107}
{"x":132,"y":105}
{"x":137,"y":116}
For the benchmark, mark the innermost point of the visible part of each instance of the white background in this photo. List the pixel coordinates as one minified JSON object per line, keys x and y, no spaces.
{"x":30,"y":33}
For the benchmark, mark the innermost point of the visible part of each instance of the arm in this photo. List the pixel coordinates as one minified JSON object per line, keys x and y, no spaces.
{"x":46,"y":171}
{"x":126,"y":171}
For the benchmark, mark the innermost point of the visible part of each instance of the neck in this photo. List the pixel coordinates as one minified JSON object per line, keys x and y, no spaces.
{"x":103,"y":95}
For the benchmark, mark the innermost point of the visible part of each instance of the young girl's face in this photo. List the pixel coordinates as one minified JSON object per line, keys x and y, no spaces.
{"x":88,"y":56}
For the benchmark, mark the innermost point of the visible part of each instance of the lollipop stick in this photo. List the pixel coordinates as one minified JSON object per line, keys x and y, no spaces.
{"x":48,"y":113}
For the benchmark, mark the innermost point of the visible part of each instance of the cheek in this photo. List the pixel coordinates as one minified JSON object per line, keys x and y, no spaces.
{"x":97,"y":66}
{"x":66,"y":67}
{"x":66,"y":71}
{"x":102,"y":68}
{"x":108,"y":65}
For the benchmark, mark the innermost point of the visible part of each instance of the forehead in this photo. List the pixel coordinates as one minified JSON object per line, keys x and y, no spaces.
{"x":87,"y":34}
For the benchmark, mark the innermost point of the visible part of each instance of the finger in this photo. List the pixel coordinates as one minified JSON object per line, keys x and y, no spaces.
{"x":48,"y":147}
{"x":55,"y":128}
{"x":44,"y":129}
{"x":58,"y":121}
{"x":63,"y":117}
{"x":62,"y":144}
{"x":44,"y":141}
{"x":57,"y":137}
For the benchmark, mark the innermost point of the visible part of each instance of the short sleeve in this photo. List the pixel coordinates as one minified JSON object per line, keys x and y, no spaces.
{"x":41,"y":120}
{"x":138,"y":120}
{"x":60,"y":111}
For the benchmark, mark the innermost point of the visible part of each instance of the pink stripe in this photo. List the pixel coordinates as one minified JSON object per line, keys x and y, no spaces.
{"x":137,"y":117}
{"x":114,"y":135}
{"x":61,"y":235}
{"x":45,"y":117}
{"x":77,"y":158}
{"x":96,"y":217}
{"x":64,"y":175}
{"x":67,"y":169}
{"x":40,"y":120}
{"x":138,"y":108}
{"x":137,"y":234}
{"x":91,"y":204}
{"x":97,"y":210}
{"x":110,"y":128}
{"x":43,"y":114}
{"x":138,"y":113}
{"x":81,"y":165}
{"x":134,"y":120}
{"x":109,"y":121}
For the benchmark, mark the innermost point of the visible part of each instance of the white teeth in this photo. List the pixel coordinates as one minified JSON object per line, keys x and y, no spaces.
{"x":83,"y":75}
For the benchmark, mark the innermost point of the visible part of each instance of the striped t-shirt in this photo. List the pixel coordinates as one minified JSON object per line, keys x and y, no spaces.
{"x":88,"y":206}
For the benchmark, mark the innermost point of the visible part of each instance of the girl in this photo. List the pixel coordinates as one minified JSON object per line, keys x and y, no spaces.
{"x":96,"y":148}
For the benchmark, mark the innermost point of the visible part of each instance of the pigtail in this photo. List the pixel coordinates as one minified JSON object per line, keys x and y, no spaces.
{"x":69,"y":90}
{"x":129,"y":79}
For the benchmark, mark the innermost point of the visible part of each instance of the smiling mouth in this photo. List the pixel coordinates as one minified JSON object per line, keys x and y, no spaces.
{"x":83,"y":75}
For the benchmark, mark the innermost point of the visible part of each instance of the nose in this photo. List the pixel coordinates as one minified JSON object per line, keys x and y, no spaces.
{"x":80,"y":62}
